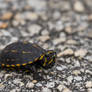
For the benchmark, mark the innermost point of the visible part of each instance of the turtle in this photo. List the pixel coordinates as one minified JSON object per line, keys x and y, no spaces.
{"x":25,"y":54}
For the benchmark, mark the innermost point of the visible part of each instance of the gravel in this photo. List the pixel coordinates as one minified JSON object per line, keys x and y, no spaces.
{"x":62,"y":25}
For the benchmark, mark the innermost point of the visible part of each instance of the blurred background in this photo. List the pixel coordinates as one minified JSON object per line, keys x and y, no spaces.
{"x":50,"y":21}
{"x":62,"y":25}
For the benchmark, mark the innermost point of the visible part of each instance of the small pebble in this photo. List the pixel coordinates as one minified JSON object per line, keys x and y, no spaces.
{"x":7,"y":76}
{"x":45,"y":89}
{"x":89,"y":89}
{"x":59,"y":40}
{"x":71,"y":42}
{"x":15,"y":90}
{"x":56,"y":15}
{"x":89,"y":34}
{"x":44,"y":38}
{"x":80,"y":53}
{"x":70,"y":78}
{"x":59,"y":26}
{"x":88,"y":72}
{"x":78,"y":78}
{"x":60,"y":68}
{"x":1,"y":74}
{"x":90,"y":17}
{"x":2,"y":86}
{"x":88,"y":84}
{"x":68,"y":29}
{"x":46,"y":46}
{"x":7,"y":16}
{"x":18,"y":16}
{"x":50,"y":84}
{"x":34,"y":81}
{"x":77,"y":63}
{"x":68,"y":60}
{"x":39,"y":84}
{"x":66,"y":90}
{"x":3,"y":25}
{"x":37,"y":5}
{"x":60,"y":87}
{"x":66,"y":52}
{"x":30,"y":85}
{"x":44,"y":32}
{"x":15,"y":23}
{"x":17,"y":81}
{"x":76,"y":72}
{"x":34,"y":29}
{"x":31,"y":16}
{"x":78,"y":6}
{"x":4,"y":32}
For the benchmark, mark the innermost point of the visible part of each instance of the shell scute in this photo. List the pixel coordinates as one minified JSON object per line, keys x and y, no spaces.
{"x":20,"y":53}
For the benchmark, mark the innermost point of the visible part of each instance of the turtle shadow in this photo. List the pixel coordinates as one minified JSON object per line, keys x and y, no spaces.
{"x":33,"y":72}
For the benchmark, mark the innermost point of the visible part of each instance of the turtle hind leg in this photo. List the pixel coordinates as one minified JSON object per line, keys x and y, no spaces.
{"x":36,"y":73}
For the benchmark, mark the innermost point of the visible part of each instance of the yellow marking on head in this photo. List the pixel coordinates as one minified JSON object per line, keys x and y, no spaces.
{"x":17,"y":64}
{"x":7,"y":65}
{"x":24,"y":64}
{"x":14,"y":51}
{"x":3,"y":64}
{"x":41,"y":57}
{"x":50,"y":61}
{"x":13,"y":65}
{"x":45,"y":62}
{"x":30,"y":62}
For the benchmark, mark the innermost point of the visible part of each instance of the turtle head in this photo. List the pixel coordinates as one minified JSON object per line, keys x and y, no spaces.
{"x":49,"y":59}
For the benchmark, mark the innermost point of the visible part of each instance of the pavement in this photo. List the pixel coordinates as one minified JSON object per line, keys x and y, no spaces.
{"x":60,"y":25}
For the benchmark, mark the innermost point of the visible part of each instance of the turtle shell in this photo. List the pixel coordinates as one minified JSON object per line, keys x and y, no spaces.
{"x":20,"y":53}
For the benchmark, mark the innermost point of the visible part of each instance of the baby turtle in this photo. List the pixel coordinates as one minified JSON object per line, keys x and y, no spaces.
{"x":25,"y":54}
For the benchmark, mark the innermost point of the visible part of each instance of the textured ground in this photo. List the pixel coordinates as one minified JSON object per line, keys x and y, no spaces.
{"x":63,"y":25}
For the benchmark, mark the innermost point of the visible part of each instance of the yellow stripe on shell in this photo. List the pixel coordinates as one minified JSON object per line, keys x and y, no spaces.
{"x":14,"y":51}
{"x":7,"y":65}
{"x":30,"y":62}
{"x":17,"y":64}
{"x":12,"y":65}
{"x":3,"y":65}
{"x":24,"y":64}
{"x":45,"y":62}
{"x":24,"y":52}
